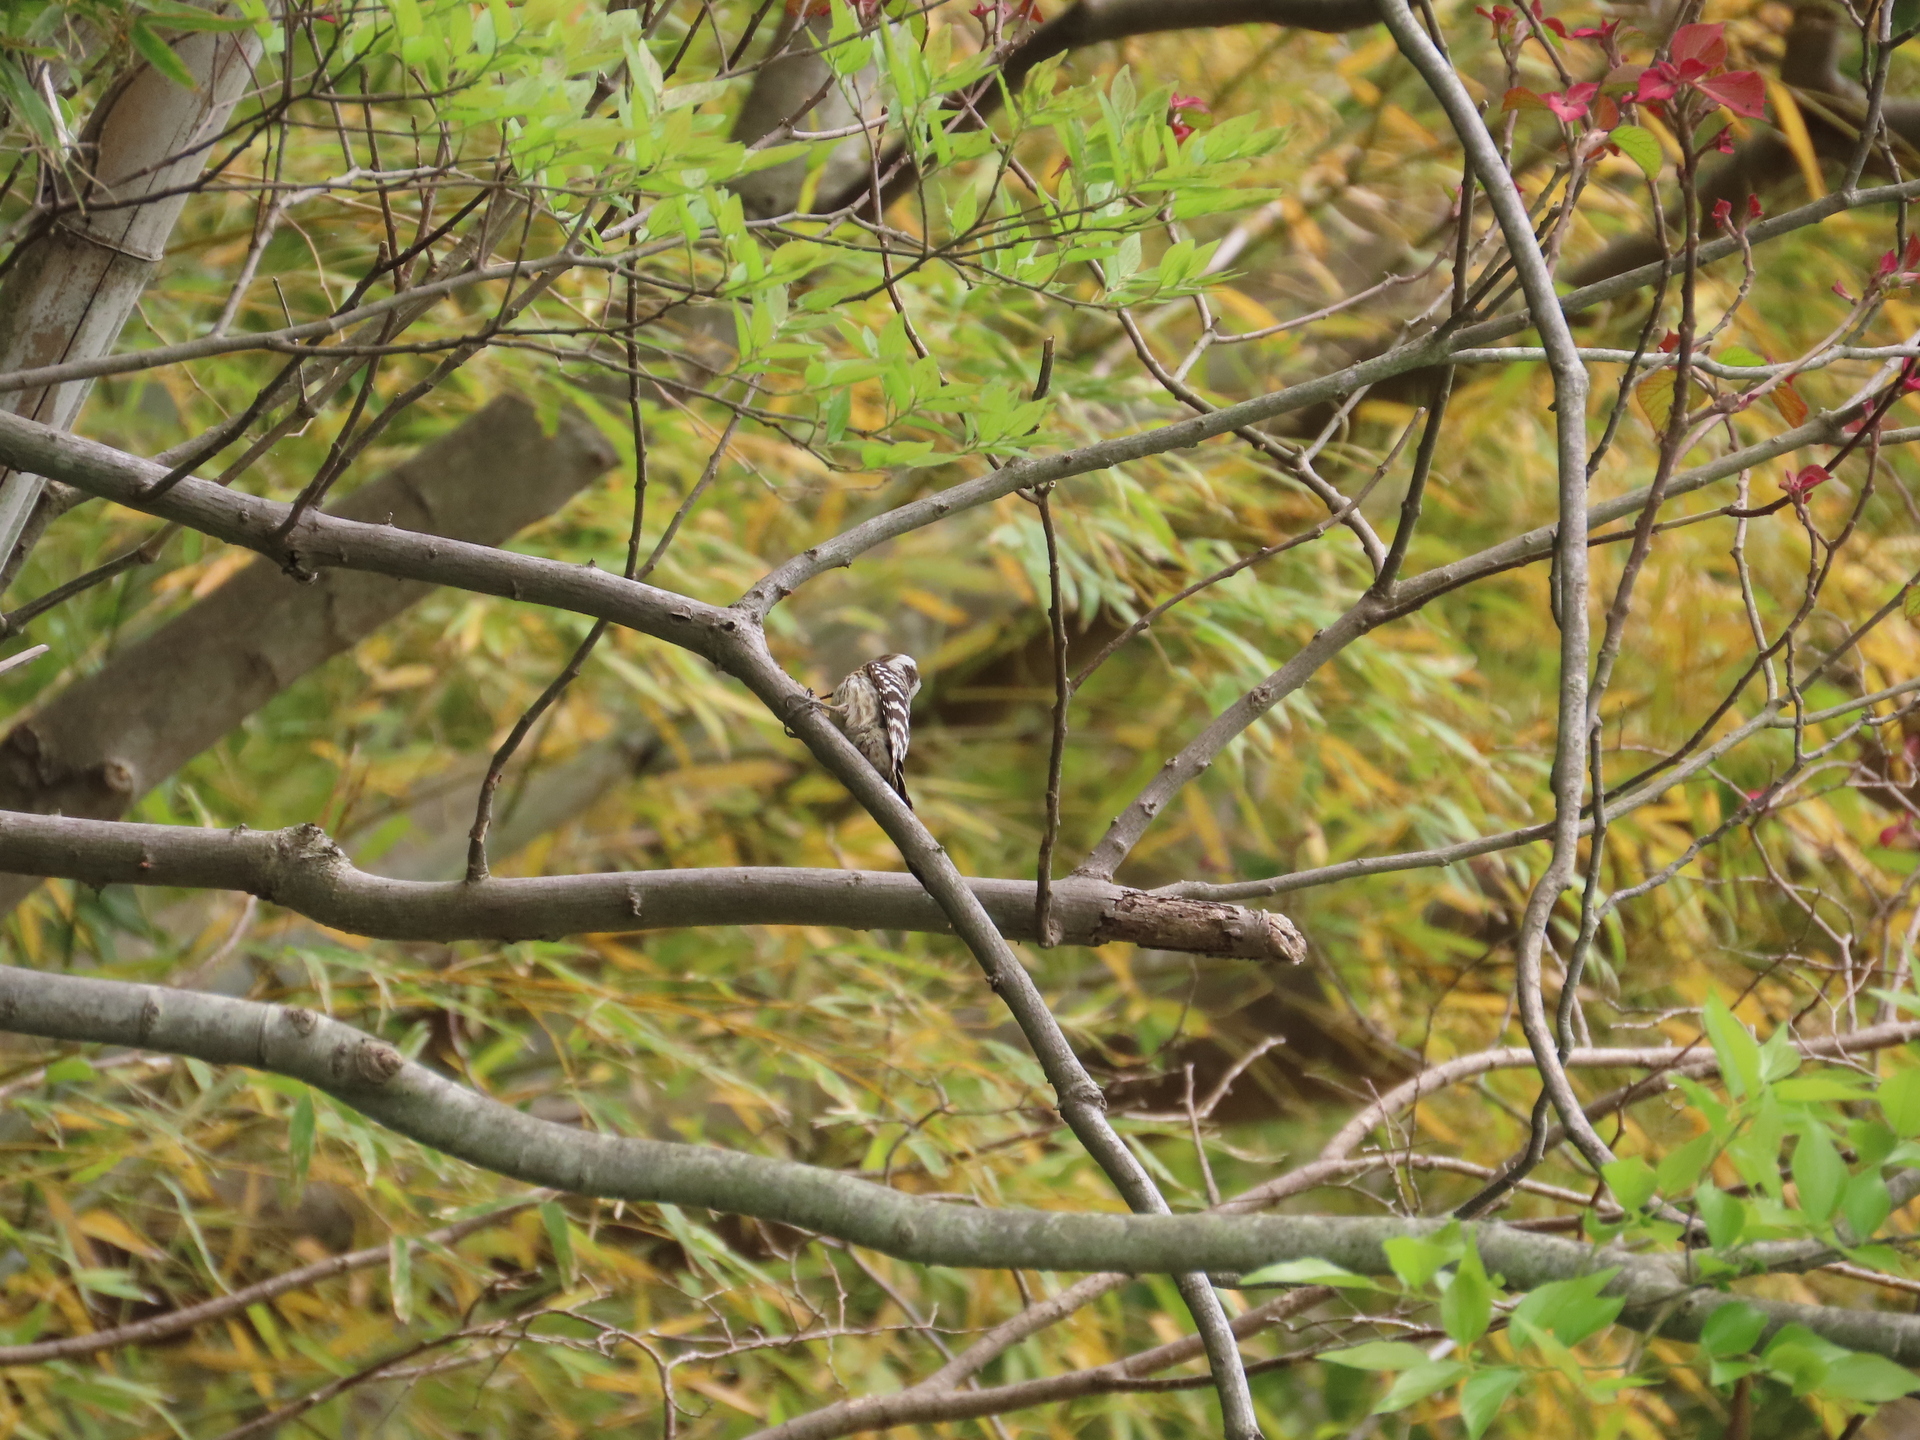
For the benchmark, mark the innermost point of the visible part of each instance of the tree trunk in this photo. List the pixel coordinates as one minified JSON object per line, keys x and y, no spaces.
{"x":73,"y":288}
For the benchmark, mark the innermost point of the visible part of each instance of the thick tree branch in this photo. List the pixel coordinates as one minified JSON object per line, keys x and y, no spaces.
{"x":302,"y":870}
{"x":731,"y":638}
{"x":115,"y":734}
{"x":323,"y":541}
{"x":373,"y":1078}
{"x":99,"y":470}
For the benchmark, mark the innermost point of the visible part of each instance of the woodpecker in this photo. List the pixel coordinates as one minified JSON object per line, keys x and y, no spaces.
{"x":873,"y":706}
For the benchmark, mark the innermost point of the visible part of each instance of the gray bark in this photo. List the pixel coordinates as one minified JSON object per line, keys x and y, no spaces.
{"x":781,"y":90}
{"x":373,"y":1078}
{"x":102,"y":743}
{"x":302,"y":870}
{"x":72,"y":290}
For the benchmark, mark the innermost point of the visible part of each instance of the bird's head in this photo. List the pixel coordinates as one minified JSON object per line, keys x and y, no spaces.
{"x":903,"y":669}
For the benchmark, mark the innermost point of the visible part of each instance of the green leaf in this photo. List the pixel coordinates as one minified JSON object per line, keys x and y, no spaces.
{"x":554,"y":1218}
{"x":1739,"y":1052}
{"x":188,"y":17}
{"x":1865,"y":1204}
{"x":1309,"y":1272}
{"x":159,"y":54}
{"x":71,"y":1070}
{"x":1819,"y":1090}
{"x":1871,"y":1379}
{"x":1778,"y":1058}
{"x":1417,"y":1261}
{"x":1726,"y":1215}
{"x":1632,"y":1181}
{"x":1639,"y":146}
{"x":1467,"y":1305}
{"x":119,"y":1284}
{"x":1571,"y":1310}
{"x":1680,"y":1169}
{"x":1818,"y":1173}
{"x":1723,"y":1373}
{"x":1800,"y":1358}
{"x":1739,"y":355}
{"x":1485,"y":1392}
{"x":1732,"y":1329}
{"x":1871,"y":1141}
{"x":1418,"y":1383}
{"x":400,"y":1279}
{"x":300,"y":1144}
{"x":1378,"y":1355}
{"x":1899,"y":1094}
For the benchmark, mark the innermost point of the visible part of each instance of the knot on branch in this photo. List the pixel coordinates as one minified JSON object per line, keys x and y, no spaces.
{"x":298,"y":859}
{"x":366,"y":1062}
{"x":117,"y":776}
{"x":1204,"y":927}
{"x":1083,"y":1096}
{"x":307,"y":844}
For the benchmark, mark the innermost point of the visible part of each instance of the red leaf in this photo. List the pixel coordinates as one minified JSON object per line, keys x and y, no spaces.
{"x":1521,"y":98}
{"x":1573,"y":103}
{"x":1805,"y":480}
{"x":1706,"y":44}
{"x":1657,"y":82}
{"x":1741,"y":91}
{"x":1723,"y":213}
{"x":1754,"y":212}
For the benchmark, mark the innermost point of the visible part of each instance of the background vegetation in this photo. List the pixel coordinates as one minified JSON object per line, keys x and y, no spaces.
{"x":794,"y":373}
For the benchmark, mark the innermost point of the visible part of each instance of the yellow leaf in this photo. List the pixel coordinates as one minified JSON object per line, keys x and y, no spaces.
{"x":726,"y":1395}
{"x":1207,"y":826}
{"x":1793,"y":129}
{"x":932,"y":606}
{"x":104,"y":1225}
{"x":216,"y":574}
{"x":404,"y":677}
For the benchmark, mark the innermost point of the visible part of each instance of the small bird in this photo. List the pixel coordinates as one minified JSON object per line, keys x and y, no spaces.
{"x":873,"y":706}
